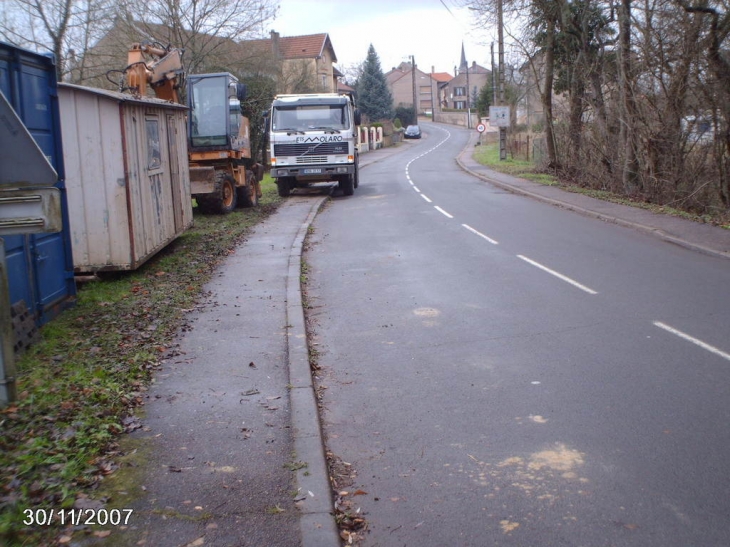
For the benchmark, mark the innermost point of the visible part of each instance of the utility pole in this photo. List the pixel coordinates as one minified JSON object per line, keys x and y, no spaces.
{"x":430,"y":86}
{"x":413,"y":73}
{"x":468,"y":99}
{"x":494,"y":77}
{"x":502,"y":130}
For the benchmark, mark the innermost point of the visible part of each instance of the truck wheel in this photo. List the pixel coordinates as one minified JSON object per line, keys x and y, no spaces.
{"x":223,"y":199}
{"x":283,"y":186}
{"x":347,"y":185}
{"x":248,"y":196}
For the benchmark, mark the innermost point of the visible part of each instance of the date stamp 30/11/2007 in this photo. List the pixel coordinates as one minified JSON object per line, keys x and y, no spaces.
{"x":77,"y":517}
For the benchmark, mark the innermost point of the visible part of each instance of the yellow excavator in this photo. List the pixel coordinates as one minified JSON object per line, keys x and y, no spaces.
{"x":222,"y":173}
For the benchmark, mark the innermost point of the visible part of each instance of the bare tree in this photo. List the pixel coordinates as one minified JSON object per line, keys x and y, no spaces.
{"x":714,"y":44}
{"x":533,"y":17}
{"x":66,"y":28}
{"x":90,"y":37}
{"x":297,"y":76}
{"x":208,"y":30}
{"x":648,"y":112}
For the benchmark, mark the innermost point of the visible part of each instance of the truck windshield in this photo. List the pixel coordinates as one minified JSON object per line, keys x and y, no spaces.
{"x":310,"y":117}
{"x":209,"y":105}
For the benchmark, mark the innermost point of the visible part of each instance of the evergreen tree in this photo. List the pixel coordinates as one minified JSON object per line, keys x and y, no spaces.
{"x":374,"y":97}
{"x":484,"y":101}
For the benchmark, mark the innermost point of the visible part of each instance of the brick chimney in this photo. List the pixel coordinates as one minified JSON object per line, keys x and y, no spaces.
{"x":275,"y":44}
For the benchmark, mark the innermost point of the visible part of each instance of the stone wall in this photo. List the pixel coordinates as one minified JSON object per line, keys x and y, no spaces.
{"x":456,"y":118}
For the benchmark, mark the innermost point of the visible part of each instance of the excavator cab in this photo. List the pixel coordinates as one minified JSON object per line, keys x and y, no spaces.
{"x":215,"y":111}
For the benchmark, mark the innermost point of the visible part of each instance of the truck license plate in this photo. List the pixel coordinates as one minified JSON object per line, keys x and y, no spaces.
{"x":316,"y":171}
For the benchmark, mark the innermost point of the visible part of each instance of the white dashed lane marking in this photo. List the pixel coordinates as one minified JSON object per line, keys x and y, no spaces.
{"x":476,"y":232}
{"x":695,"y":341}
{"x":440,"y":210}
{"x":558,"y":275}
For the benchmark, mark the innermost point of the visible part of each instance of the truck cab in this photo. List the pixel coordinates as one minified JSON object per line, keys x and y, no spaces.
{"x":313,"y":138}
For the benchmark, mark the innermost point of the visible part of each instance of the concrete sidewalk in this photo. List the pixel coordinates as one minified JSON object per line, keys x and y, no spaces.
{"x":693,"y":235}
{"x":231,"y":451}
{"x":220,"y":451}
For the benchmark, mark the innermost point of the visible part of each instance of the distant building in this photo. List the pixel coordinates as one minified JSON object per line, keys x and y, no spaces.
{"x":442,"y":80}
{"x":438,"y":91}
{"x":342,"y":87}
{"x":462,"y":91}
{"x":400,"y":82}
{"x":306,"y":63}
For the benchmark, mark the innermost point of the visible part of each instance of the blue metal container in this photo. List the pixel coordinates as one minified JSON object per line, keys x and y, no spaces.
{"x":40,"y":267}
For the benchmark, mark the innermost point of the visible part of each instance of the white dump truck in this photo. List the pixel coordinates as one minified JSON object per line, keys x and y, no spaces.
{"x":313,"y":138}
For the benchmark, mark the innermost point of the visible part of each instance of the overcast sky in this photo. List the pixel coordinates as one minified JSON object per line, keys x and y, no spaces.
{"x":397,"y":29}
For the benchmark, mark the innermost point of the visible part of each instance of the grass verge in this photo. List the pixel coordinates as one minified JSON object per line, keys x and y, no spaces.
{"x":488,"y":155}
{"x":78,"y":387}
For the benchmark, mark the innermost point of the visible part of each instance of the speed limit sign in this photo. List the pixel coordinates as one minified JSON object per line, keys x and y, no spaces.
{"x":481,"y":128}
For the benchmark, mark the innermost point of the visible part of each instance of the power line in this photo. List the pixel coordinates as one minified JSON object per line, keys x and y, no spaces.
{"x":448,"y":9}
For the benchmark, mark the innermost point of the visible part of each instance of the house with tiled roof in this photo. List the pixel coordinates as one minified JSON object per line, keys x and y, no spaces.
{"x":400,"y":81}
{"x":305,"y":63}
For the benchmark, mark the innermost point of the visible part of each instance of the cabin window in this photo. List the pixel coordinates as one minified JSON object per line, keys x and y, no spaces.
{"x":154,"y":152}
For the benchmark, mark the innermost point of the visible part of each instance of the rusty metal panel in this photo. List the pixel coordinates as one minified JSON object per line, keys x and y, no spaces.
{"x":179,"y":171}
{"x":202,"y":179}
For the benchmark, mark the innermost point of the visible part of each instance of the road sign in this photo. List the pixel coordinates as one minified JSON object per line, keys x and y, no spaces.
{"x":481,"y":128}
{"x":499,"y":116}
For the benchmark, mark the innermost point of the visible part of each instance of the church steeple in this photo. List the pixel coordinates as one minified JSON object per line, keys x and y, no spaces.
{"x":463,"y":66}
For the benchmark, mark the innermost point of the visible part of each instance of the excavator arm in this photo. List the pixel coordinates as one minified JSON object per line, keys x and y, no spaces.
{"x":162,"y":73}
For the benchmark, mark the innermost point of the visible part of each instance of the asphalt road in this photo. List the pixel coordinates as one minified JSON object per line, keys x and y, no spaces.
{"x":499,"y":371}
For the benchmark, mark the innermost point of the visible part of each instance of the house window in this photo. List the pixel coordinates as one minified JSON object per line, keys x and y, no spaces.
{"x":325,"y":87}
{"x":460,"y":91}
{"x":460,"y":105}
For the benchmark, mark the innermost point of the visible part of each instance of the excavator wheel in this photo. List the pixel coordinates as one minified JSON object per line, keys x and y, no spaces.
{"x":223,"y":199}
{"x":248,"y":196}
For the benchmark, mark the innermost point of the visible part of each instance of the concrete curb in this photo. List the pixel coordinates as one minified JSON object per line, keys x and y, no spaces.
{"x":317,"y":523}
{"x":316,"y":519}
{"x":589,"y":212}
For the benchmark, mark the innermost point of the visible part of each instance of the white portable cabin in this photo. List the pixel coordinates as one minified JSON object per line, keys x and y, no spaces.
{"x":127,"y":176}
